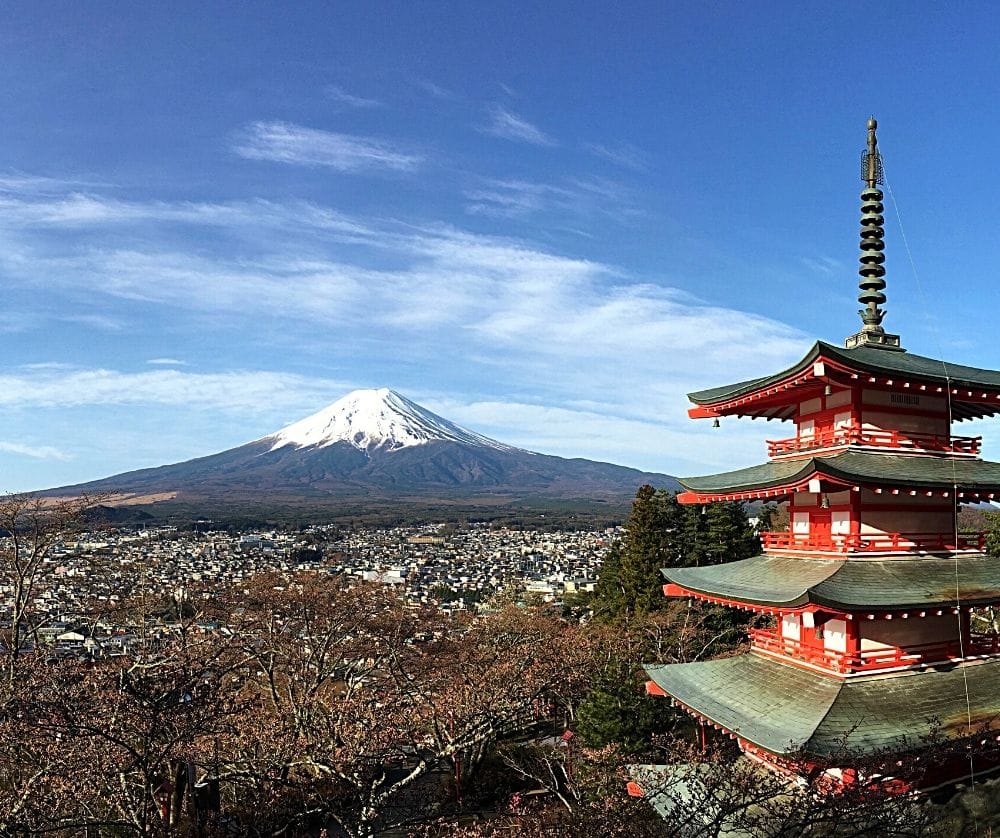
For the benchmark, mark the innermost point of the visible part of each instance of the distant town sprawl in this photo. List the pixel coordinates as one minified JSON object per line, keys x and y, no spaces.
{"x":458,"y":567}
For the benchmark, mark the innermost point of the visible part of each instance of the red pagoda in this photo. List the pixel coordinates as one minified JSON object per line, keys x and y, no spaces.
{"x":872,"y":588}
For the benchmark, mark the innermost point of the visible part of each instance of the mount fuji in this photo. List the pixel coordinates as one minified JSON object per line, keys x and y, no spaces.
{"x":374,"y":447}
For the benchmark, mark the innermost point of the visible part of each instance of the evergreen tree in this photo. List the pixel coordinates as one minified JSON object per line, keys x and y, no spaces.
{"x":992,"y":533}
{"x":617,"y":711}
{"x":772,"y":518}
{"x":718,"y":533}
{"x":630,"y":580}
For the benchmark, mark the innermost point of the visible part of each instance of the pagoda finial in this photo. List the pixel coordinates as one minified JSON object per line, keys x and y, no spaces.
{"x":872,"y":268}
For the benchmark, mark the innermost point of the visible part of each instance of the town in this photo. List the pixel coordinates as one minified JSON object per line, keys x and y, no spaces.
{"x":457,"y":568}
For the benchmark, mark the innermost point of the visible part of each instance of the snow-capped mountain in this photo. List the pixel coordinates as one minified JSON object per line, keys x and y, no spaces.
{"x":370,"y":419}
{"x":376,"y":448}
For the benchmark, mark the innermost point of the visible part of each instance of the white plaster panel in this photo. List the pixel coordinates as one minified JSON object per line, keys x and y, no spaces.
{"x":841,"y":397}
{"x":790,"y":626}
{"x":800,"y":523}
{"x":877,"y":420}
{"x":810,"y":406}
{"x":904,"y":398}
{"x":907,"y":522}
{"x":835,"y":635}
{"x":916,"y":631}
{"x":840,"y":522}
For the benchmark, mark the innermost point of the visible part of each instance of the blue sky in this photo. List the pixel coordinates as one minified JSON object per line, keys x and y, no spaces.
{"x":545,"y":221}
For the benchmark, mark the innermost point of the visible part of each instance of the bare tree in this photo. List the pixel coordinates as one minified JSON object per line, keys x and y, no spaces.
{"x":30,"y":527}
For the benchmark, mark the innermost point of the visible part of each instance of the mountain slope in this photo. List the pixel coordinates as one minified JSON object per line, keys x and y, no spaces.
{"x":378,"y":444}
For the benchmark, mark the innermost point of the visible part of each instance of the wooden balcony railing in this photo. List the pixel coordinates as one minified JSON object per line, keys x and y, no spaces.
{"x":856,"y":435}
{"x":871,"y":660}
{"x":888,"y":542}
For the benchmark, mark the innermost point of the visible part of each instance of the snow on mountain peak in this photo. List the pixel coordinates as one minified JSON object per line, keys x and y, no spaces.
{"x":370,"y":419}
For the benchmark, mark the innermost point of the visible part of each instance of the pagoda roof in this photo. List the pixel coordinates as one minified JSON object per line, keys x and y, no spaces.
{"x":850,"y":468}
{"x":846,"y":584}
{"x":971,"y":387}
{"x":789,"y":710}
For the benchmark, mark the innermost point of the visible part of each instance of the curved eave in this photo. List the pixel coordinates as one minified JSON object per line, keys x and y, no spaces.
{"x":974,"y":392}
{"x":848,"y":469}
{"x":789,"y":711}
{"x":781,"y":583}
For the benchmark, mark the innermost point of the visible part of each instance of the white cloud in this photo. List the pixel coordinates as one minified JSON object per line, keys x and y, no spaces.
{"x":97,"y":321}
{"x":495,"y":300}
{"x":38,"y":452}
{"x":166,"y":362}
{"x":245,"y":392}
{"x":621,"y":154}
{"x":22,"y":183}
{"x":823,"y":265}
{"x":517,"y":323}
{"x":284,"y":142}
{"x":435,"y":90}
{"x":514,"y":198}
{"x":338,"y":94}
{"x":510,"y":126}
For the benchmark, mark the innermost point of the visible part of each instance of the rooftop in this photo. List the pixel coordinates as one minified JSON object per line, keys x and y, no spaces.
{"x":975,"y":392}
{"x":788,"y":710}
{"x":847,"y":584}
{"x":853,"y":468}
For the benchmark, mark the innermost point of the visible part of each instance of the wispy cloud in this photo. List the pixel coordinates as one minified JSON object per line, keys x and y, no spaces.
{"x":503,"y":123}
{"x":244,"y":392}
{"x":77,"y":210}
{"x":823,"y":264}
{"x":21,"y":183}
{"x":582,"y":197}
{"x":167,"y":362}
{"x":338,"y":94}
{"x":621,"y":154}
{"x":284,"y":142}
{"x":571,"y":431}
{"x":101,"y":322}
{"x":460,"y":292}
{"x":38,"y":452}
{"x":433,"y":89}
{"x":540,"y":327}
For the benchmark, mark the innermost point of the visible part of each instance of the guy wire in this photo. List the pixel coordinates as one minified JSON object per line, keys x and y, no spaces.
{"x":935,"y":334}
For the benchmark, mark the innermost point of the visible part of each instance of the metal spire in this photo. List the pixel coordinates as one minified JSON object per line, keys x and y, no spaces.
{"x":872,"y":258}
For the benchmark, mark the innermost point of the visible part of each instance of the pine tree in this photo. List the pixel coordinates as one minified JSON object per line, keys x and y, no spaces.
{"x":993,"y":533}
{"x":617,"y":711}
{"x":630,"y":580}
{"x":717,"y":533}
